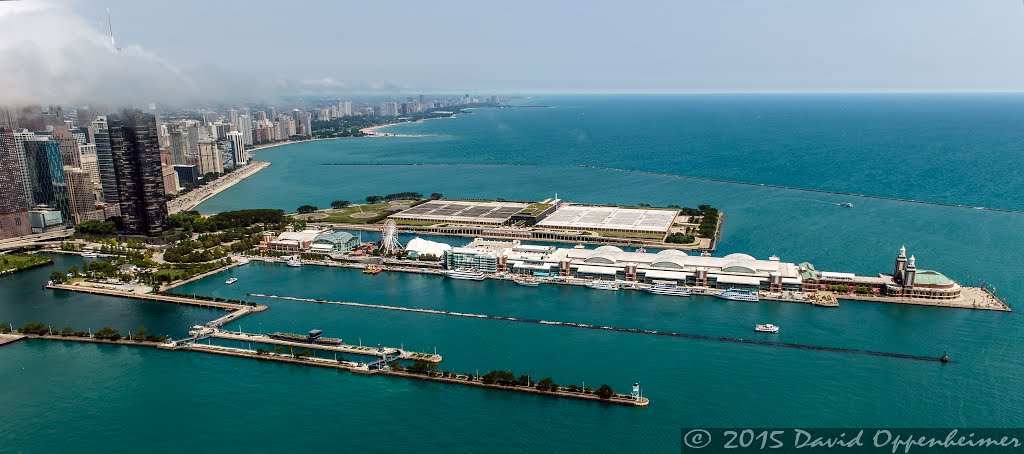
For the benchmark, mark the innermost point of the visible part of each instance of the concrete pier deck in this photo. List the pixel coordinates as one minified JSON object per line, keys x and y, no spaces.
{"x":10,"y":338}
{"x":148,"y":296}
{"x":342,"y":348}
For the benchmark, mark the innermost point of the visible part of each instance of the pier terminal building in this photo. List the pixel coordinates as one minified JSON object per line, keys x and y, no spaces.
{"x":675,"y":267}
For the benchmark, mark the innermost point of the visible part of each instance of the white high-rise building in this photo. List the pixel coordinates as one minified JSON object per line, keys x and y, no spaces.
{"x":237,"y":148}
{"x":20,"y":137}
{"x":389,"y":109}
{"x":347,"y":111}
{"x":245,"y":127}
{"x":209,"y":158}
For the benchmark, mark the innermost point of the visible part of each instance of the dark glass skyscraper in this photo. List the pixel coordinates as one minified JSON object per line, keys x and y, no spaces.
{"x":136,"y":158}
{"x":46,"y":175}
{"x":105,"y":160}
{"x":13,"y":200}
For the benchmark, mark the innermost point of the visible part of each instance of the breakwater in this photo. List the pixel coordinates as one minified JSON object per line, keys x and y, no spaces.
{"x":794,"y":188}
{"x":616,"y":329}
{"x":422,"y":164}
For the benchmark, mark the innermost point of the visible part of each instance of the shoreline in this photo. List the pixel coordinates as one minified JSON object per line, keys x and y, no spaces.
{"x":372,"y":130}
{"x":196,"y":197}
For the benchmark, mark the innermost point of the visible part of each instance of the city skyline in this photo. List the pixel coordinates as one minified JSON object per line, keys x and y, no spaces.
{"x":797,"y":46}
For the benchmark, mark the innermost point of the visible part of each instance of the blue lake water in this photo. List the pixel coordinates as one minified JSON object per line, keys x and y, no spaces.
{"x":951,"y":149}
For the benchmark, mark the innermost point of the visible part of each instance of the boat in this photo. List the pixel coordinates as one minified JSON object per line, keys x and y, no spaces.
{"x":579,"y":246}
{"x":243,"y":262}
{"x":846,"y":205}
{"x":90,"y":255}
{"x":766,"y":328}
{"x":603,"y":285}
{"x":294,"y":263}
{"x":372,"y":270}
{"x":526,"y":282}
{"x":231,"y":281}
{"x":465,"y":274}
{"x":736,"y":294}
{"x":667,"y":289}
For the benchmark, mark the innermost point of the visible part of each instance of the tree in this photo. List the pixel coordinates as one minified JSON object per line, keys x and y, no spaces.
{"x":436,"y":196}
{"x":107,"y":333}
{"x":340,"y":203}
{"x":67,"y":331}
{"x":546,"y":384}
{"x":306,"y":209}
{"x":58,"y":278}
{"x":371,"y":199}
{"x":604,"y":392}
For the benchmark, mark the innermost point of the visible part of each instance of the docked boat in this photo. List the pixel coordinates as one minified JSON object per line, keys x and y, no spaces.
{"x":666,"y":289}
{"x":603,"y":285}
{"x":294,"y":263}
{"x":90,"y":255}
{"x":526,"y":282}
{"x":846,"y":205}
{"x":465,"y":274}
{"x":231,"y":281}
{"x":736,"y":294}
{"x":372,"y":270}
{"x":243,"y":262}
{"x":766,"y":328}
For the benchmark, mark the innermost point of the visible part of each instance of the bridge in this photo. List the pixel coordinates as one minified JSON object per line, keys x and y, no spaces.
{"x":385,"y":359}
{"x":36,"y":239}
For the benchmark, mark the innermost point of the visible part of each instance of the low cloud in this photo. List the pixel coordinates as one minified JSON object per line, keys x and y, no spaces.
{"x":50,"y":55}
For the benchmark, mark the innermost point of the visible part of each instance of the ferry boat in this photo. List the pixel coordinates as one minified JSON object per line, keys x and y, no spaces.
{"x":603,"y":285}
{"x":294,"y":263}
{"x":231,"y":281}
{"x":372,"y":270}
{"x":766,"y":328}
{"x":846,"y":205}
{"x":465,"y":274}
{"x":735,"y":294}
{"x":526,"y":282}
{"x":666,"y":289}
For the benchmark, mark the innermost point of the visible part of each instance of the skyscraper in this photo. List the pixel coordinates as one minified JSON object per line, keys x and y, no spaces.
{"x":245,"y":127}
{"x":209,"y":158}
{"x":46,"y":175}
{"x":237,"y":148}
{"x":14,"y":202}
{"x":179,"y":144}
{"x":105,"y":159}
{"x":68,"y":146}
{"x":140,"y":185}
{"x":81,"y":198}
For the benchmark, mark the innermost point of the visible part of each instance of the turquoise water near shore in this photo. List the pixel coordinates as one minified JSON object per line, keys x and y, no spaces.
{"x":958,"y":149}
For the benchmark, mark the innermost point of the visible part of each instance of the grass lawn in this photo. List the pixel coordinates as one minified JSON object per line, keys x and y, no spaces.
{"x":360,"y":214}
{"x":174,"y":274}
{"x":17,"y":262}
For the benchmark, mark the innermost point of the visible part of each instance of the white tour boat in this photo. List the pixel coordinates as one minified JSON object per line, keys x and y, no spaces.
{"x":243,"y":262}
{"x":603,"y":285}
{"x":736,"y":294}
{"x":766,"y":328}
{"x":294,"y":263}
{"x":231,"y":281}
{"x":465,"y":274}
{"x":667,"y":289}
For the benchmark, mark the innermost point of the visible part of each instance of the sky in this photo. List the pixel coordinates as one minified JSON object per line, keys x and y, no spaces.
{"x":185,"y":50}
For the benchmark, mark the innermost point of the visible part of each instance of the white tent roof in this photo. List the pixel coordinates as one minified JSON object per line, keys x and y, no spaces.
{"x":421,"y":246}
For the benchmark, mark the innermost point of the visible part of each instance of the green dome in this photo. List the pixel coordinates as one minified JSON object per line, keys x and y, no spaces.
{"x":931,"y":277}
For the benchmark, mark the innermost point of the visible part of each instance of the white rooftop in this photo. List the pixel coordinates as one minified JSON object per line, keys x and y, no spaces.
{"x":579,"y":217}
{"x":461,"y":211}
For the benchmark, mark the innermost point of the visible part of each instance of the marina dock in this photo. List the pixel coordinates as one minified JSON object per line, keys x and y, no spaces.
{"x":151,"y":297}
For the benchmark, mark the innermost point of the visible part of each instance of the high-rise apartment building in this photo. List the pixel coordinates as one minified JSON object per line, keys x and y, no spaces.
{"x":105,"y":159}
{"x":14,"y":201}
{"x":245,"y":127}
{"x":140,"y":183}
{"x":237,"y":148}
{"x":209,"y":158}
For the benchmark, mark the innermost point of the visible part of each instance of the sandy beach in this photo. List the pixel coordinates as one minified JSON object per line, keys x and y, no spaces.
{"x":372,"y":130}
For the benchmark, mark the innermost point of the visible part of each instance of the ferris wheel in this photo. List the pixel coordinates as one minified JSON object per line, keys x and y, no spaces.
{"x":389,"y":244}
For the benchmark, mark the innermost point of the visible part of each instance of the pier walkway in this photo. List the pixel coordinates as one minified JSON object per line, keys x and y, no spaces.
{"x":388,"y":352}
{"x":616,"y":329}
{"x":10,"y":338}
{"x":147,"y":296}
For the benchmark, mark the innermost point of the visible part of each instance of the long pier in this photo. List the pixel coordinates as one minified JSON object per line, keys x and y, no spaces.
{"x":794,"y":188}
{"x":328,"y":363}
{"x":10,"y":338}
{"x":152,"y":297}
{"x":340,"y":348}
{"x":616,"y":329}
